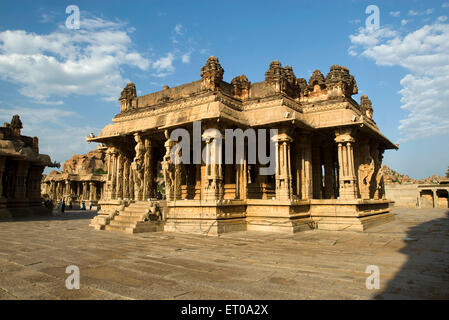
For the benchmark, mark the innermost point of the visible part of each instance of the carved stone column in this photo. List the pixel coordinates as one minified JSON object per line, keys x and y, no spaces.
{"x":131,"y":183}
{"x":317,"y":173}
{"x":93,"y":191}
{"x":126,"y":169}
{"x":240,"y":180}
{"x":34,"y":181}
{"x":348,"y":181}
{"x":328,"y":172}
{"x":283,"y":166}
{"x":53,"y":190}
{"x":67,"y":187}
{"x":21,"y":176}
{"x":148,"y":171}
{"x":119,"y":176}
{"x":213,"y":189}
{"x":113,"y":176}
{"x":168,"y":169}
{"x":78,"y":189}
{"x":366,"y":169}
{"x":85,"y":190}
{"x":306,"y":183}
{"x":435,"y":199}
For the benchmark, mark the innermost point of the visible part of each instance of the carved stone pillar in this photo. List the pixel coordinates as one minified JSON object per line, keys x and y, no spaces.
{"x":213,"y":189}
{"x":126,"y":169}
{"x":78,"y":189}
{"x":283,"y":166}
{"x":113,"y":173}
{"x":67,"y":187}
{"x":366,"y":169}
{"x":328,"y":172}
{"x":119,"y":176}
{"x":240,"y":180}
{"x":138,"y":167}
{"x":317,"y":173}
{"x":168,"y":169}
{"x":435,"y":199}
{"x":21,"y":176}
{"x":348,"y":181}
{"x":306,"y":183}
{"x":53,"y":190}
{"x":131,"y":183}
{"x":33,"y":191}
{"x":93,"y":191}
{"x":148,"y":171}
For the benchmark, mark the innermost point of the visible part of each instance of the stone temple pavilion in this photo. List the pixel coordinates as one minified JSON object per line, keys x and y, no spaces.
{"x":328,"y":157}
{"x":21,"y":168}
{"x":79,"y":181}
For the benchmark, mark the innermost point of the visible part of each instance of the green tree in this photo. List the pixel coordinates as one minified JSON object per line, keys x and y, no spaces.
{"x":99,"y":171}
{"x":447,"y":172}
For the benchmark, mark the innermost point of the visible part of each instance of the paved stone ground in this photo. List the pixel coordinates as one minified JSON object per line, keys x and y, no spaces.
{"x":316,"y":264}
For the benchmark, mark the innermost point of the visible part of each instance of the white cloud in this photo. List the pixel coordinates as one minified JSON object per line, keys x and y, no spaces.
{"x":395,"y":13}
{"x":424,"y":53}
{"x":58,"y":137}
{"x":185,"y":58}
{"x":164,"y":65}
{"x":178,"y":29}
{"x":445,"y":5}
{"x":419,"y":13}
{"x":87,"y":61}
{"x":442,"y":19}
{"x":404,"y":22}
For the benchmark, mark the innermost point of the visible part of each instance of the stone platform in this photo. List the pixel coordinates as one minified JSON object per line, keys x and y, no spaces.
{"x":412,"y":253}
{"x":218,"y":217}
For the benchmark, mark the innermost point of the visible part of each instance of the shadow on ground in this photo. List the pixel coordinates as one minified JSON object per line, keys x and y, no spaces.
{"x":67,"y":215}
{"x":427,"y":268}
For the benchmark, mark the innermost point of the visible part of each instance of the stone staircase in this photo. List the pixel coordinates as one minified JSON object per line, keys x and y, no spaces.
{"x":131,"y":220}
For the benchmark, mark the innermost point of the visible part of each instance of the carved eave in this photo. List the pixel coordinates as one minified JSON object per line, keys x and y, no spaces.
{"x":368,"y":127}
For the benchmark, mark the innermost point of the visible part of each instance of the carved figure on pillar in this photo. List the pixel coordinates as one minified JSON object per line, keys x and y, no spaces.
{"x":366,"y":169}
{"x":138,"y":167}
{"x":168,"y":167}
{"x":148,"y":176}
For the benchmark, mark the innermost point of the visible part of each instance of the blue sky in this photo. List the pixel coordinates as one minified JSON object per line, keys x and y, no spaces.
{"x":65,"y":83}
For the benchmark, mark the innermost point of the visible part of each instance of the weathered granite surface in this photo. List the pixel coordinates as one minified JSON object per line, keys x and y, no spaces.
{"x":247,"y":265}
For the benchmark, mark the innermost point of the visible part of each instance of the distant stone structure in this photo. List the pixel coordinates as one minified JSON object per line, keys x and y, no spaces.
{"x":328,"y":150}
{"x":81,"y":179}
{"x":21,"y":168}
{"x":431,"y":192}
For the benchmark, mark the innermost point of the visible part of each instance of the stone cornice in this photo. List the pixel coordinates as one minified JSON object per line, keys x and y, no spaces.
{"x":174,"y":106}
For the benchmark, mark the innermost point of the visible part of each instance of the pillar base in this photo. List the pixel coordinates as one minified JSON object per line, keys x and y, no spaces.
{"x":205,"y":217}
{"x":354,"y":215}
